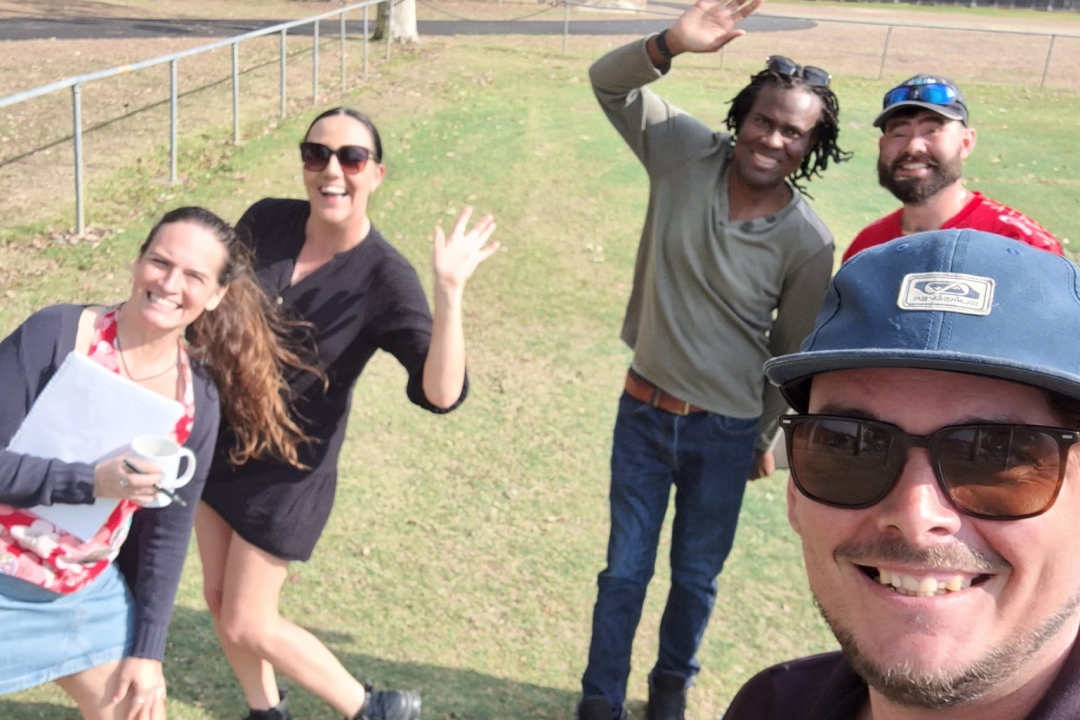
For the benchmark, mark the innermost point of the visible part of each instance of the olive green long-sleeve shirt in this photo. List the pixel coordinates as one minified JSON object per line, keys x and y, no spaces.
{"x":700,"y":318}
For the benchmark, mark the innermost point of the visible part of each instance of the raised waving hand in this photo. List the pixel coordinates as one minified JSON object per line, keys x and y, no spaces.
{"x":709,"y":25}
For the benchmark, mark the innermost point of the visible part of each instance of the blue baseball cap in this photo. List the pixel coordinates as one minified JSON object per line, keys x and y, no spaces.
{"x":957,"y":300}
{"x":930,"y":92}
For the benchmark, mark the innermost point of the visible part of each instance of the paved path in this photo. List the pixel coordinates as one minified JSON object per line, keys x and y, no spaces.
{"x":104,"y":28}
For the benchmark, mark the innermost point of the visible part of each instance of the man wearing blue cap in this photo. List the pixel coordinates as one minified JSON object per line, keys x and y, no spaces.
{"x":935,"y":487}
{"x":925,"y":138}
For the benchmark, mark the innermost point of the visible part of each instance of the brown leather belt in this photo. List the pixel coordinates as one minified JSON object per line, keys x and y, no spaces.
{"x":644,"y":391}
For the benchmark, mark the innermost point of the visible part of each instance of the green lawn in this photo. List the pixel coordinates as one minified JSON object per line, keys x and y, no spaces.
{"x":462,"y":553}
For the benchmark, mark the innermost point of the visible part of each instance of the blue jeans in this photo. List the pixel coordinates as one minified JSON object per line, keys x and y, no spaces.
{"x":708,"y":459}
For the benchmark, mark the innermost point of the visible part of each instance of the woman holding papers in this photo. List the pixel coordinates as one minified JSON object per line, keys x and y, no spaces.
{"x":91,"y":612}
{"x":323,"y":260}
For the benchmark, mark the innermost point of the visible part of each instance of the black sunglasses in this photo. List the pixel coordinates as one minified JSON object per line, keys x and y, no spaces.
{"x":352,"y":158}
{"x":789,"y":68}
{"x":993,"y":471}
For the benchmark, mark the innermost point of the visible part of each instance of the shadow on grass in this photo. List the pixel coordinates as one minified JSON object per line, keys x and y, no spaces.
{"x":199,"y":677}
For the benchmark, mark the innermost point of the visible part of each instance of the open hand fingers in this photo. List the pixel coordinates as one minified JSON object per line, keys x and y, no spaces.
{"x":732,"y":12}
{"x":482,"y":231}
{"x":462,"y":221}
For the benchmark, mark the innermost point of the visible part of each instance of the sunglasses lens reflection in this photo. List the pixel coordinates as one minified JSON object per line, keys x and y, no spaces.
{"x":993,"y":471}
{"x":316,"y":157}
{"x":935,"y":94}
{"x":816,"y":76}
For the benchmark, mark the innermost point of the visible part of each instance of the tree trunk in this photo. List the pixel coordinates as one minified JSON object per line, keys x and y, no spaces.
{"x":403,"y":27}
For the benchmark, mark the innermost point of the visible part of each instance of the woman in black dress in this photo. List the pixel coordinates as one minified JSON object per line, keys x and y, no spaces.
{"x":324,"y":260}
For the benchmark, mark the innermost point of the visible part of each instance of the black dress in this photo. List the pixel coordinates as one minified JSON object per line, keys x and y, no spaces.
{"x":364,"y":299}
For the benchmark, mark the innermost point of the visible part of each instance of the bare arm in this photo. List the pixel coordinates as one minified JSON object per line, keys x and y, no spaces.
{"x":454,"y":259}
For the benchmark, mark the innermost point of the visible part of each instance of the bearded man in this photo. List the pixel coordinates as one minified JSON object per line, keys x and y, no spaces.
{"x":925,"y":138}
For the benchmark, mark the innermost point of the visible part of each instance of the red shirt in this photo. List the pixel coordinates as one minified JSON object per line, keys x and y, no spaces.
{"x":978,"y":214}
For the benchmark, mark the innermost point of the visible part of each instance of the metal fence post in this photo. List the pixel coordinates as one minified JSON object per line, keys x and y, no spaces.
{"x":389,"y":26}
{"x":343,"y":52}
{"x":565,"y":25}
{"x":76,"y":122}
{"x":885,"y":53}
{"x":281,"y":81}
{"x":236,"y":93}
{"x":173,"y":95}
{"x":315,"y":67}
{"x":1049,"y":57}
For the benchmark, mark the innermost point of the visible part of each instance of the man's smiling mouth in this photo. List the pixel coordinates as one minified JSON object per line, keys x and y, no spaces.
{"x":923,"y":585}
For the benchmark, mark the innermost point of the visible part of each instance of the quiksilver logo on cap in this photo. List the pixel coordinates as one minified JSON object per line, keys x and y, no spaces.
{"x":947,"y":292}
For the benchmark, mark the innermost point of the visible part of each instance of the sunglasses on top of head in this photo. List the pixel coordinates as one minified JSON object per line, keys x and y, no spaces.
{"x":991,"y":470}
{"x":352,"y":158}
{"x":933,"y":93}
{"x":789,"y":68}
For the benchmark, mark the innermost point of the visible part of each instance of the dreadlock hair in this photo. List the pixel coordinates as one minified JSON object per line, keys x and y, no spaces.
{"x":245,"y":346}
{"x":826,"y":131}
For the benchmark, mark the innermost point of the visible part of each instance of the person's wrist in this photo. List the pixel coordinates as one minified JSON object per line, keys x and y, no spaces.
{"x":662,"y":45}
{"x":449,"y":292}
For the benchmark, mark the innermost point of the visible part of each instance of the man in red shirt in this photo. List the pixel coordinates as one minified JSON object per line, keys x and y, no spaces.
{"x":925,"y":138}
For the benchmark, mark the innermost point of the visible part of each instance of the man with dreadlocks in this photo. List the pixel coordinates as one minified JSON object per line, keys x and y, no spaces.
{"x":728,"y":243}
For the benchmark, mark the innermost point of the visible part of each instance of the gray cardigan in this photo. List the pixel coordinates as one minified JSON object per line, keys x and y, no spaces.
{"x":152,"y":557}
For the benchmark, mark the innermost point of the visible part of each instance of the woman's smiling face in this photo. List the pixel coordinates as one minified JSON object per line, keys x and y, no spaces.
{"x":338,"y":197}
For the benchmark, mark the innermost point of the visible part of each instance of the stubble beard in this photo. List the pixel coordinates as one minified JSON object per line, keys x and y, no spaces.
{"x":917,"y":190}
{"x":914,"y":687}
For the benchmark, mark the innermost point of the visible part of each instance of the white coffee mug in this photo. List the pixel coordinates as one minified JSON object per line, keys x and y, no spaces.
{"x":166,"y":453}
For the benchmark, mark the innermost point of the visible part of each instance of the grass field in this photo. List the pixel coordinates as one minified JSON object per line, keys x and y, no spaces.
{"x":462,"y":553}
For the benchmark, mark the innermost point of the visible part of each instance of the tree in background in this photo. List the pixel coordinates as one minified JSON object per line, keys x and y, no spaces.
{"x":401,"y":24}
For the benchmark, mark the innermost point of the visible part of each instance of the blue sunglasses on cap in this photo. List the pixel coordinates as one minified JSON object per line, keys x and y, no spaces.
{"x":933,"y":93}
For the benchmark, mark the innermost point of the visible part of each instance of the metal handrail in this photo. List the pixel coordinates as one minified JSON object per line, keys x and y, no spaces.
{"x":76,"y":82}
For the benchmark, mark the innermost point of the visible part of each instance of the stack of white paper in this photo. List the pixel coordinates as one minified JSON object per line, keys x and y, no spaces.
{"x":85,"y":414}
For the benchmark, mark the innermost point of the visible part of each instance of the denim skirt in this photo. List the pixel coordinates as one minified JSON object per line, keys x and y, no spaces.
{"x":45,"y":636}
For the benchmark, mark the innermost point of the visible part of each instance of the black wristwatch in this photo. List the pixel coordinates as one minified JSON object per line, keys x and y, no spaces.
{"x":661,"y":45}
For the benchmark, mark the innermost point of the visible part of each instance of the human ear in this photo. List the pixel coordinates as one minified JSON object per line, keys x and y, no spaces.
{"x":792,"y":498}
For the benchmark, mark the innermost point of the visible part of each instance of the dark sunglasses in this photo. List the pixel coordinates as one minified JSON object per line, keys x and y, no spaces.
{"x":352,"y":158}
{"x":789,"y":68}
{"x":933,"y":93}
{"x":993,"y":471}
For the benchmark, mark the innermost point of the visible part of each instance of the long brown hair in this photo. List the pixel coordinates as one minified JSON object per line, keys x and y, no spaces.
{"x":246,"y":346}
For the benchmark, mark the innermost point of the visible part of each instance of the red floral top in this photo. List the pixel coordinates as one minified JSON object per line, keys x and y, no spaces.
{"x":39,"y":552}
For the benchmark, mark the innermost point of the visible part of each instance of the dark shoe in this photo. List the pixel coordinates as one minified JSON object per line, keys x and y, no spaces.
{"x":278,"y":712}
{"x":389,"y":705}
{"x":667,"y":697}
{"x":598,"y":708}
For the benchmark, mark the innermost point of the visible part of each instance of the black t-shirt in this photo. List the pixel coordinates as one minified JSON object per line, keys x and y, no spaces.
{"x":824,"y":687}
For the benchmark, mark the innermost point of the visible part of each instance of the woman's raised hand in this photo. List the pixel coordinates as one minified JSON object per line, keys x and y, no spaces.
{"x":456,"y":257}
